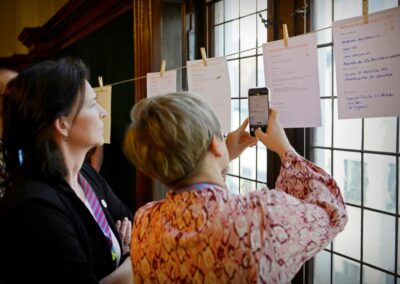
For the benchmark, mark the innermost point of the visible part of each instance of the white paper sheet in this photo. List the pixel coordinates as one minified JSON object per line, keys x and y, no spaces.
{"x":104,"y":99}
{"x":367,"y":59}
{"x":157,"y":85}
{"x":291,"y":74}
{"x":212,"y":82}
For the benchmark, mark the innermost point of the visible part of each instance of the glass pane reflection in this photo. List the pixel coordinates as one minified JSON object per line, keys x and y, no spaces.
{"x":233,"y":184}
{"x":349,"y":240}
{"x":347,"y":9}
{"x":380,"y":182}
{"x":322,"y":268}
{"x":322,"y":158}
{"x":380,"y":134}
{"x":347,"y":173}
{"x":248,"y":34}
{"x":247,"y":75}
{"x":347,"y":132}
{"x":322,"y":136}
{"x":345,"y":271}
{"x":233,"y":66}
{"x":379,"y":240}
{"x":373,"y":276}
{"x":247,"y":186}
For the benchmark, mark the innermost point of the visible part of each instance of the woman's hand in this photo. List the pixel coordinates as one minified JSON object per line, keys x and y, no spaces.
{"x":275,"y":139}
{"x":237,"y":141}
{"x":124,"y":229}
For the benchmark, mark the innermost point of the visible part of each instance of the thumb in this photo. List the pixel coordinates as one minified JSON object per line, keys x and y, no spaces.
{"x":260,"y":135}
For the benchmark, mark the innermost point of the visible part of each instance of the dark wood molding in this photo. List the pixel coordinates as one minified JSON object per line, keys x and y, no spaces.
{"x":147,"y":53}
{"x":74,"y":21}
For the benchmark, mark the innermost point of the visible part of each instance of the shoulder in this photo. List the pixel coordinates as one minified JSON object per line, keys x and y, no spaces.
{"x":149,"y":209}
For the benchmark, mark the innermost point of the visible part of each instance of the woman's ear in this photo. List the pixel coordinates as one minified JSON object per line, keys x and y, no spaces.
{"x":216,"y":147}
{"x":62,"y":127}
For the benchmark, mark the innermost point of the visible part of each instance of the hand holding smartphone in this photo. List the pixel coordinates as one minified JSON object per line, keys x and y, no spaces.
{"x":258,"y":109}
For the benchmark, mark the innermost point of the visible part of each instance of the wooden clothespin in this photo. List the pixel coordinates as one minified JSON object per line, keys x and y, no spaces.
{"x":203,"y":55}
{"x":365,"y":11}
{"x":285,"y":35}
{"x":162,"y":68}
{"x":100,"y":78}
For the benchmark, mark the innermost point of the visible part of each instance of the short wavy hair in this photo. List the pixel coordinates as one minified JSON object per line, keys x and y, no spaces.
{"x":170,"y":135}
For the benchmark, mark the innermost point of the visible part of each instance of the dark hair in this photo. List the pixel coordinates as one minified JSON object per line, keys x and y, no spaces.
{"x":38,"y":96}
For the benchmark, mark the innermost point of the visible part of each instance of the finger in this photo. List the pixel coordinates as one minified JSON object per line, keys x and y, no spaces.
{"x":128,"y":232}
{"x":118,"y":225}
{"x":124,"y":225}
{"x":273,"y":115}
{"x":244,"y":124}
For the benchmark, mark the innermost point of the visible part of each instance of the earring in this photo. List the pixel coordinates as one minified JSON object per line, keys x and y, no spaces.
{"x":66,"y":138}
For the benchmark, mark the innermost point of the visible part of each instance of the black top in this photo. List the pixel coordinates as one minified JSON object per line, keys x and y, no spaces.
{"x":49,"y":236}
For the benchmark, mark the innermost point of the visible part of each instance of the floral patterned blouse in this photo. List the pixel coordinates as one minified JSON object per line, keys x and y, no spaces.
{"x":214,"y":236}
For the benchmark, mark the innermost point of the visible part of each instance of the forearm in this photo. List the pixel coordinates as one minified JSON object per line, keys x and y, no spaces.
{"x":122,"y":275}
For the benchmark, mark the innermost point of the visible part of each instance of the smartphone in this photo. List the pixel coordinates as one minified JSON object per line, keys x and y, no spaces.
{"x":258,"y":109}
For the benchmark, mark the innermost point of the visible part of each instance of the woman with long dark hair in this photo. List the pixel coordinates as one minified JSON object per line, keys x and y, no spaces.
{"x":61,"y":223}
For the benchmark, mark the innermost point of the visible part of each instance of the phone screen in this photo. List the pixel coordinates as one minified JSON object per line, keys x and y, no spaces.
{"x":258,"y":109}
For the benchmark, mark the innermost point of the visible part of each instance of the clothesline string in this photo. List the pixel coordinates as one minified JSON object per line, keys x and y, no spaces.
{"x":183,"y":67}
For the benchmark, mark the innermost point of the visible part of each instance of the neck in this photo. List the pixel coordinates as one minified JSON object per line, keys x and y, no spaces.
{"x":73,"y":159}
{"x":209,"y":171}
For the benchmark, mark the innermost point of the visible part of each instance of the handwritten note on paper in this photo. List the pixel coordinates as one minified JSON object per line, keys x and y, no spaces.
{"x":291,"y":73}
{"x":158,"y":85}
{"x":367,"y":58}
{"x":104,"y":99}
{"x":212,"y":82}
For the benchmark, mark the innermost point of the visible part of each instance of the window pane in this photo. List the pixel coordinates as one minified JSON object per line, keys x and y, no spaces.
{"x":322,"y":158}
{"x":325,"y":71}
{"x":322,"y":136}
{"x":233,"y":184}
{"x":260,"y":72}
{"x":261,"y":30}
{"x":235,"y":115}
{"x":323,"y":19}
{"x":231,"y":9}
{"x":247,"y":186}
{"x":219,"y":12}
{"x":380,"y":134}
{"x":247,"y":7}
{"x":347,"y":173}
{"x":379,"y":238}
{"x":348,"y":242}
{"x":398,"y":250}
{"x":244,"y":109}
{"x":248,"y":34}
{"x":379,"y":5}
{"x":380,"y":182}
{"x":345,"y":271}
{"x":232,"y":38}
{"x":373,"y":276}
{"x":347,"y":9}
{"x":261,"y":186}
{"x":261,"y":162}
{"x":219,"y":40}
{"x":248,"y":164}
{"x":247,"y":75}
{"x":234,"y":167}
{"x":233,"y":66}
{"x":322,"y":268}
{"x":347,"y":132}
{"x":262,"y":4}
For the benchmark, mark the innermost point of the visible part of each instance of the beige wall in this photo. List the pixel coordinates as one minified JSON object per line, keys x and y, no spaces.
{"x":18,"y":14}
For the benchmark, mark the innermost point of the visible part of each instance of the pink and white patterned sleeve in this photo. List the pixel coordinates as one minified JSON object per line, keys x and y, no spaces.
{"x":303,"y":214}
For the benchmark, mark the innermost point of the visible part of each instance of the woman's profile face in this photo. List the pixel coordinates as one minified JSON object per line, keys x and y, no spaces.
{"x":88,"y":126}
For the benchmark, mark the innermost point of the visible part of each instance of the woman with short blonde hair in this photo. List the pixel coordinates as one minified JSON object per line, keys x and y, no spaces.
{"x":201,"y":232}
